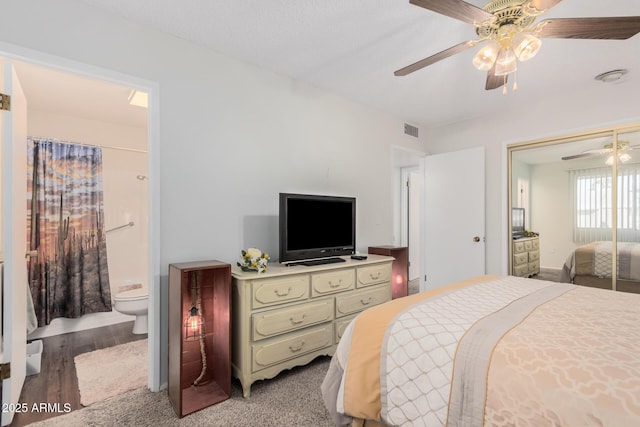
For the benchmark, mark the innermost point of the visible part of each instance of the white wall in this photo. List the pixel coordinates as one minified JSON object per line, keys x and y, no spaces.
{"x":596,"y":106}
{"x":551,"y":213}
{"x":125,"y":199}
{"x":232,"y":136}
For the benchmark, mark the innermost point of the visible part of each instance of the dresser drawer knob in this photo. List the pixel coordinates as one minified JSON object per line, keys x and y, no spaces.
{"x":296,"y":348}
{"x":335,"y":285}
{"x":366,"y":302}
{"x":283,"y":294}
{"x":296,"y":321}
{"x":375,"y":276}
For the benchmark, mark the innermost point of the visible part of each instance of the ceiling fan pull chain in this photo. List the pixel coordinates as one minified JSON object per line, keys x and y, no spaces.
{"x":504,"y":85}
{"x":515,"y":81}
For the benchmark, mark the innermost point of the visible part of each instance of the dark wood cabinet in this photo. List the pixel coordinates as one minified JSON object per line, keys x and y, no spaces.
{"x":399,"y":268}
{"x":206,"y":284}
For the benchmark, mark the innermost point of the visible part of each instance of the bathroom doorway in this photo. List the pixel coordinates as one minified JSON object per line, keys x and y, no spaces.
{"x":73,"y":108}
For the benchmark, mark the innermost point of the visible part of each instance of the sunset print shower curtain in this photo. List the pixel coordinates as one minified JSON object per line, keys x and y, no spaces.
{"x":69,"y":276}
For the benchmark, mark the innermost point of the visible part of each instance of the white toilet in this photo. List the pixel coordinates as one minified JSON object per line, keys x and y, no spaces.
{"x":134,"y":303}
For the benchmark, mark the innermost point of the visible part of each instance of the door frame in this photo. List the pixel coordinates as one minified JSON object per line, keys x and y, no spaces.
{"x":14,"y":221}
{"x":19,"y":53}
{"x":413,"y":243}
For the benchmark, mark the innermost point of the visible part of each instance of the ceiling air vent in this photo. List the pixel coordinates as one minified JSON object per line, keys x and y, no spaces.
{"x":410,"y":130}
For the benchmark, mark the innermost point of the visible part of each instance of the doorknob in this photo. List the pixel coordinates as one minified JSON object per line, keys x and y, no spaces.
{"x":476,"y":239}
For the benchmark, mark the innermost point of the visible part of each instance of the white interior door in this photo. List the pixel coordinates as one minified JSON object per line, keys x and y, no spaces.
{"x":453,"y":211}
{"x":14,"y":223}
{"x":415,"y":193}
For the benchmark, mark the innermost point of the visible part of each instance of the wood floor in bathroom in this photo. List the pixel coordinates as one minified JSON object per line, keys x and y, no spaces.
{"x":57,"y":381}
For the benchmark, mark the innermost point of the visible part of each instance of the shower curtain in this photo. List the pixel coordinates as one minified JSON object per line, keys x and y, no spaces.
{"x":69,"y":276}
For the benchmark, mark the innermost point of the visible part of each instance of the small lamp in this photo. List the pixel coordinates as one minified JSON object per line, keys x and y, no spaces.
{"x":194,"y":322}
{"x":193,"y":325}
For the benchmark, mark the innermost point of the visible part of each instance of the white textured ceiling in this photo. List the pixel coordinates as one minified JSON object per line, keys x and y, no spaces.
{"x":352,"y":47}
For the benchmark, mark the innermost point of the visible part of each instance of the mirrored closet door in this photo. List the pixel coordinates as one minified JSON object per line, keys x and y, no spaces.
{"x":569,"y":220}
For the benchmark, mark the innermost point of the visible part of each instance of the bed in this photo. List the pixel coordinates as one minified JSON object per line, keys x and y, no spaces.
{"x":590,"y":265}
{"x":492,"y":351}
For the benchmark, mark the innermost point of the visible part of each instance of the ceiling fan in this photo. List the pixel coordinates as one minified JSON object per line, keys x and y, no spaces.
{"x":622,"y":150}
{"x":508,"y":29}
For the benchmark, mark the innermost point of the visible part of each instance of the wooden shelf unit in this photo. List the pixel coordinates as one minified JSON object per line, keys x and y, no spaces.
{"x":185,"y":359}
{"x":399,"y":268}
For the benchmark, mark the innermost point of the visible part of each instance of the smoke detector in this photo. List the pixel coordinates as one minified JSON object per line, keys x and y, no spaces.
{"x":611,"y":76}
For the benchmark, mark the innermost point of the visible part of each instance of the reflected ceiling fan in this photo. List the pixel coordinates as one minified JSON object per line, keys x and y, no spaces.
{"x":623,"y":152}
{"x":508,"y":30}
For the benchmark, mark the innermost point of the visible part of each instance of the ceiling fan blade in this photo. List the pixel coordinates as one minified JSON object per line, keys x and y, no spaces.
{"x":435,"y":58}
{"x":590,"y":153}
{"x":456,"y":9}
{"x":493,"y":81}
{"x":541,"y":5}
{"x":613,"y":28}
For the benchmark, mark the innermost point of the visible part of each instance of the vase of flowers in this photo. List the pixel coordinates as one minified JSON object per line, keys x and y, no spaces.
{"x":253,"y":260}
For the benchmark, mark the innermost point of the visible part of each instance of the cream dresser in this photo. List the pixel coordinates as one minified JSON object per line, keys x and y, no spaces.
{"x":526,"y":256}
{"x":287,"y":316}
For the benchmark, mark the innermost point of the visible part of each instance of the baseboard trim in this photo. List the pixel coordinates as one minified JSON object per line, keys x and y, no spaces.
{"x":88,"y":321}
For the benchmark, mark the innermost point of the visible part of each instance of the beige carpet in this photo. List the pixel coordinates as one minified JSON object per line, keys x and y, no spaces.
{"x":291,"y":399}
{"x":111,"y":371}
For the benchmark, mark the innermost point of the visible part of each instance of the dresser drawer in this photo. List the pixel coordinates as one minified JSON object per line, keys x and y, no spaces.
{"x":535,"y":244}
{"x":289,"y":346}
{"x":521,"y":270}
{"x":341,"y":325}
{"x":333,"y":281}
{"x":275,"y":322}
{"x":521,"y":258}
{"x":355,"y":302}
{"x":528,"y":245}
{"x":373,"y":274}
{"x":518,"y":247}
{"x":269,"y":292}
{"x":534,"y":256}
{"x":534,"y":267}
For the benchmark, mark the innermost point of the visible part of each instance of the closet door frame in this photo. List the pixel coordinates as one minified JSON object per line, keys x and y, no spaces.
{"x":612,"y":132}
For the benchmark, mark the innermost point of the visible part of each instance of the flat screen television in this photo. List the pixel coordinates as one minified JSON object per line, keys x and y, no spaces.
{"x":517,"y":221}
{"x":315,"y":226}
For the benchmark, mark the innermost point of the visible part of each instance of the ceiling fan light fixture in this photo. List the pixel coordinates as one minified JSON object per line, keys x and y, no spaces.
{"x":486,"y":57}
{"x":622,"y":158}
{"x":526,"y":46}
{"x":506,"y":62}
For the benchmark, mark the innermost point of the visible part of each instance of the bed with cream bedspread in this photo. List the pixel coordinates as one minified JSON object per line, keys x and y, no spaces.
{"x":492,"y":351}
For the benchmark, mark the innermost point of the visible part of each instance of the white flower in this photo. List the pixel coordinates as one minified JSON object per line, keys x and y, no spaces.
{"x":254,"y":253}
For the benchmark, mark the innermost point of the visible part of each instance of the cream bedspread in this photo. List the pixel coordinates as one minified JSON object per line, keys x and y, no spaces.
{"x":595,"y":259}
{"x":492,"y":351}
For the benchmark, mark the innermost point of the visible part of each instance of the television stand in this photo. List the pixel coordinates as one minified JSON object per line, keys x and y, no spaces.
{"x":322,"y":261}
{"x":287,"y":316}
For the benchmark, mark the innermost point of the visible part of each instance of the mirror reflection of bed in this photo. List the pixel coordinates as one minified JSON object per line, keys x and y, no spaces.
{"x":565,"y":187}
